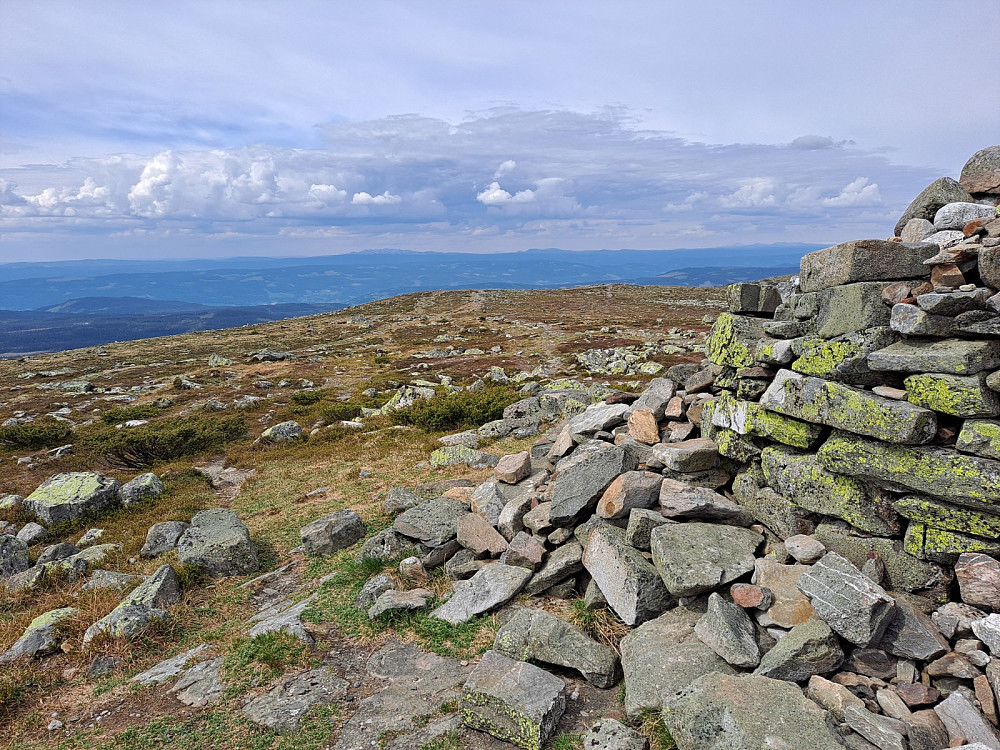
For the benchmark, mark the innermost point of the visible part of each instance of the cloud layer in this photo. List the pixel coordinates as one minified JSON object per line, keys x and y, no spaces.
{"x":528,"y":176}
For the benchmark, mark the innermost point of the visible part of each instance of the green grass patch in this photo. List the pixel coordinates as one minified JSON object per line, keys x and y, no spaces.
{"x":335,"y":604}
{"x":566,"y":742}
{"x":45,"y":432}
{"x":457,"y":410}
{"x":652,"y":727}
{"x":261,"y":659}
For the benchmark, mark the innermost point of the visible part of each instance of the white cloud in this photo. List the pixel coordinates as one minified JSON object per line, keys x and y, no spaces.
{"x":424,"y":179}
{"x":504,"y":169}
{"x":364,"y":199}
{"x":858,"y":193}
{"x":495,"y":195}
{"x":687,"y":204}
{"x":757,"y":192}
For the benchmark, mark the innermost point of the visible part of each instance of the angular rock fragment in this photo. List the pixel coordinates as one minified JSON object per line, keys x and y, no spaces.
{"x":141,"y":608}
{"x":628,"y":581}
{"x":282,"y":708}
{"x":433,"y":522}
{"x":729,"y":632}
{"x":806,"y":650}
{"x":71,"y":496}
{"x":581,"y":479}
{"x":854,"y":607}
{"x":688,"y":456}
{"x":750,"y":711}
{"x":392,"y":600}
{"x":560,"y":564}
{"x":662,"y":657}
{"x":142,"y":487}
{"x":633,"y":489}
{"x":475,"y":533}
{"x":843,"y":407}
{"x":162,"y":537}
{"x":492,"y":586}
{"x":40,"y":637}
{"x":512,"y":700}
{"x":218,"y":542}
{"x":862,"y":260}
{"x":694,"y":558}
{"x":538,"y":636}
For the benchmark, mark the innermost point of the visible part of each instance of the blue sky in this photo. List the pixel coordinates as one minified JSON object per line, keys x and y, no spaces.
{"x":217,"y":128}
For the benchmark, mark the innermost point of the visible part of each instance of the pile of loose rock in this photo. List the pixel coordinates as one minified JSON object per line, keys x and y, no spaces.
{"x":802,"y":531}
{"x":215,"y":541}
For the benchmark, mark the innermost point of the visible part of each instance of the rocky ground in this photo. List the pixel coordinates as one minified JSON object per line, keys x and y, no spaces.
{"x":78,"y":690}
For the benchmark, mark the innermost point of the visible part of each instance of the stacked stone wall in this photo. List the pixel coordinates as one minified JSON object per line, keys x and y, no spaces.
{"x":859,"y":401}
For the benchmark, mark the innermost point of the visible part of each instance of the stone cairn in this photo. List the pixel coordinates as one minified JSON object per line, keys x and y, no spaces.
{"x":802,"y":531}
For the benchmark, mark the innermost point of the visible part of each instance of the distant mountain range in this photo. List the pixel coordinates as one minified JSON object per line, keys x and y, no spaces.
{"x":52,"y":306}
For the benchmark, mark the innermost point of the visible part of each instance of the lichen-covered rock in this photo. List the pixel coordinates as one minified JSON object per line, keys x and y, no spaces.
{"x":539,"y":636}
{"x":71,"y":496}
{"x":631,"y":585}
{"x":949,"y":356}
{"x":450,"y":455}
{"x":218,"y":542}
{"x":332,"y":533}
{"x":748,"y":418}
{"x":733,"y":340}
{"x":694,"y":558}
{"x":981,"y":173}
{"x":953,"y":394}
{"x":943,"y":546}
{"x":730,"y":712}
{"x":140,"y":488}
{"x":512,"y":700}
{"x":40,"y":637}
{"x":283,"y":432}
{"x":801,"y":478}
{"x":141,"y":608}
{"x":961,"y":479}
{"x":863,"y":260}
{"x":981,"y":437}
{"x":846,"y":408}
{"x":950,"y":517}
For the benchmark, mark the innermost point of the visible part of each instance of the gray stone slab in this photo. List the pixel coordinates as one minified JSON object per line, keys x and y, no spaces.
{"x":492,"y":586}
{"x":949,"y":356}
{"x":695,"y":558}
{"x":863,"y":260}
{"x":631,"y":585}
{"x":851,"y":409}
{"x":513,"y":700}
{"x":848,"y":601}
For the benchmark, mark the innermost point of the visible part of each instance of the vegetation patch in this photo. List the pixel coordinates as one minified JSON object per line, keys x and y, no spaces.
{"x":129,"y":413}
{"x":140,"y":447}
{"x":457,"y":410}
{"x":45,"y":432}
{"x":262,"y":658}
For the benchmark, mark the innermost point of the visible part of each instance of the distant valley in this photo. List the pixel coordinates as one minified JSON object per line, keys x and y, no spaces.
{"x":61,"y":305}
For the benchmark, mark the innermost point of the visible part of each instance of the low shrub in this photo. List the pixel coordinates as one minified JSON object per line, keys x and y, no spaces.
{"x":307,"y":398}
{"x":46,"y":432}
{"x":139,"y":447}
{"x":339,"y":411}
{"x":457,"y":410}
{"x":128,"y":413}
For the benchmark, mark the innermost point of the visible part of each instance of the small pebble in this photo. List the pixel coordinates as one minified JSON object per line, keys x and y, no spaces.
{"x":55,"y":725}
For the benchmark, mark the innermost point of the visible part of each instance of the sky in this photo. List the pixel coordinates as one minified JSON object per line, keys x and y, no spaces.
{"x":214,"y":128}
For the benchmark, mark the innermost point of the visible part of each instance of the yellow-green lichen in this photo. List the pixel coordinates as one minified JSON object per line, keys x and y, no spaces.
{"x":981,"y":437}
{"x":959,"y":396}
{"x":822,"y":357}
{"x":949,"y":517}
{"x":932,"y":471}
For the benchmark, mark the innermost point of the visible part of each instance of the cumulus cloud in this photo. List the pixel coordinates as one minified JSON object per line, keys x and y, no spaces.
{"x":495,"y":195}
{"x":859,"y":192}
{"x":364,"y":199}
{"x":576,"y":179}
{"x":757,"y":192}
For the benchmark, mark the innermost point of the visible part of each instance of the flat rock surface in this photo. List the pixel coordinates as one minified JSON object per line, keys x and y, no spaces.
{"x":283,"y":706}
{"x":492,"y":586}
